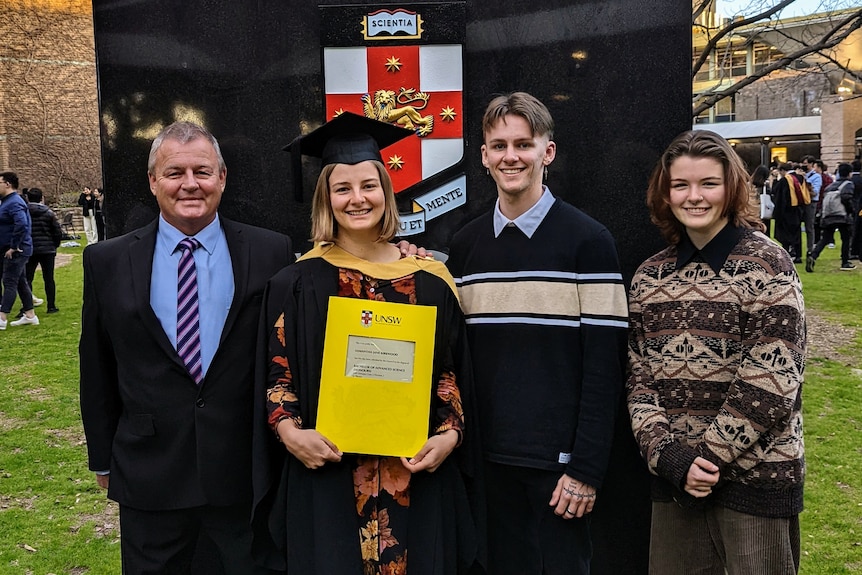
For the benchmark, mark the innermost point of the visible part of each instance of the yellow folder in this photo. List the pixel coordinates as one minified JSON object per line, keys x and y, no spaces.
{"x":376,"y":381}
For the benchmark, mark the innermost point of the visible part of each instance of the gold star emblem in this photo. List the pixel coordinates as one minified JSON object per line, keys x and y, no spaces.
{"x":393,"y":64}
{"x":338,"y":112}
{"x":396,"y":162}
{"x":448,"y":114}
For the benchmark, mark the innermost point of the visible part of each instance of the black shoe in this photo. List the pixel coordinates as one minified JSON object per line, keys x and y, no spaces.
{"x":52,"y":310}
{"x":847,"y":266}
{"x":809,"y":263}
{"x":797,"y":260}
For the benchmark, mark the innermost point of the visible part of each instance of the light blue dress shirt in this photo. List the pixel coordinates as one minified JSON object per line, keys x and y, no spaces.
{"x":215,"y":283}
{"x":529,"y":221}
{"x":816,"y":181}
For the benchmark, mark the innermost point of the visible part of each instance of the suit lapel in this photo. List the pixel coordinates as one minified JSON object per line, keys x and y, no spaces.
{"x":240,"y":259}
{"x":141,"y":253}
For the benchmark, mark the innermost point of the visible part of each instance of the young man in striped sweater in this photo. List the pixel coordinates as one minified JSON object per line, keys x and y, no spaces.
{"x":546,"y":315}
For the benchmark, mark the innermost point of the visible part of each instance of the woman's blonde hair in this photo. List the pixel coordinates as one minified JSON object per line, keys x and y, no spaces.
{"x":323,"y":225}
{"x":701,"y":144}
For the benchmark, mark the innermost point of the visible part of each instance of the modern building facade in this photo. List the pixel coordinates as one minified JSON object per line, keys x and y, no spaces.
{"x":809,"y":105}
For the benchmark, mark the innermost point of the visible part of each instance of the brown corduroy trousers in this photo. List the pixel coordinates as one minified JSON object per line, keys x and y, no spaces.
{"x":715,"y":540}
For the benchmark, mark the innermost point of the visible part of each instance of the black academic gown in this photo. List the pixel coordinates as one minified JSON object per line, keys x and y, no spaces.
{"x":311,"y":514}
{"x":788,"y":217}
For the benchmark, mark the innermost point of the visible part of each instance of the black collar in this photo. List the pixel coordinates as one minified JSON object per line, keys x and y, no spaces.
{"x":714,"y":253}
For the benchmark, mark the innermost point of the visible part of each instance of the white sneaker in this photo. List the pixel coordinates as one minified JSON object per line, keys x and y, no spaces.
{"x":3,"y":323}
{"x":26,"y":321}
{"x":37,"y":301}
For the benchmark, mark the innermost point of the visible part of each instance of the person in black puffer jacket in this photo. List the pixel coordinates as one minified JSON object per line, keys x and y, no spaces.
{"x":46,"y":238}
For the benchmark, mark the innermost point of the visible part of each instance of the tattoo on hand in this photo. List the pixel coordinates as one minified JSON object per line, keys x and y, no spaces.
{"x":577,"y":494}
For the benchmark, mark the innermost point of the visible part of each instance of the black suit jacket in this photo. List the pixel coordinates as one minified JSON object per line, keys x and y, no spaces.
{"x":169,"y":443}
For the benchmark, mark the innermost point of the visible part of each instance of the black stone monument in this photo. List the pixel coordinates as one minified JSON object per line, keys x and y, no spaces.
{"x":615,"y":76}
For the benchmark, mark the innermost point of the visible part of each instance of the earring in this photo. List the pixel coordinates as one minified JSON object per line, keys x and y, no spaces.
{"x":488,"y":171}
{"x":546,"y":173}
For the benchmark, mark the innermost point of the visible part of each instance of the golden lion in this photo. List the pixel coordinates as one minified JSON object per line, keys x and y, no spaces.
{"x":383,"y":108}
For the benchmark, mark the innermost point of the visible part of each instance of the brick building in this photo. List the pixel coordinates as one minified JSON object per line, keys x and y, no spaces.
{"x":784,"y":94}
{"x":49,"y":122}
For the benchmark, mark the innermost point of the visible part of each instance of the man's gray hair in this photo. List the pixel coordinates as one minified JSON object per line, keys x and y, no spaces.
{"x":183,"y":132}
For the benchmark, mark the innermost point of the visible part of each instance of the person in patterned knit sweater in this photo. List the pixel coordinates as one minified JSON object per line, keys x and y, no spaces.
{"x":717,"y":352}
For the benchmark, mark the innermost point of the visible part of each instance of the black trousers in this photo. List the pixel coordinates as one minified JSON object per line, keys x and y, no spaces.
{"x":100,"y":227}
{"x":525,"y":537}
{"x":46,"y":261}
{"x":165,"y":542}
{"x":856,"y":240}
{"x":828,"y":237}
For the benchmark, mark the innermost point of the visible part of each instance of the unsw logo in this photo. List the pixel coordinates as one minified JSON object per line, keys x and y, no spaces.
{"x":368,"y":318}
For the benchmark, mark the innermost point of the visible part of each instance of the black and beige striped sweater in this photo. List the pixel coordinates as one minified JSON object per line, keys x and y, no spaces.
{"x":716,"y":358}
{"x":546,"y":320}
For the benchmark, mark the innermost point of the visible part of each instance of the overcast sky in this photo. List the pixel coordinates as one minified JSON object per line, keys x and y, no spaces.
{"x":731,"y":8}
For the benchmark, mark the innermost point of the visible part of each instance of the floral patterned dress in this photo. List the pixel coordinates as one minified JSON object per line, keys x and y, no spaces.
{"x":381,"y":485}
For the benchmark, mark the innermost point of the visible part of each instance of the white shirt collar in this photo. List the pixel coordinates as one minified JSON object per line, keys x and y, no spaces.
{"x":529,"y":221}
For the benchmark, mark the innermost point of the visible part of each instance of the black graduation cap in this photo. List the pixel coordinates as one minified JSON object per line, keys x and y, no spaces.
{"x":346,"y":139}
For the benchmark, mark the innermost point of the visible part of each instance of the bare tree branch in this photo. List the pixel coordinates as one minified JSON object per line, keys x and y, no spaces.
{"x":712,"y":42}
{"x":828,"y":57}
{"x":829,"y":40}
{"x":699,"y":8}
{"x":843,"y":67}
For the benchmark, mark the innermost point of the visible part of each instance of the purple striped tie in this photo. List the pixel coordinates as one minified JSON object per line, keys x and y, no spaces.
{"x":188,"y":324}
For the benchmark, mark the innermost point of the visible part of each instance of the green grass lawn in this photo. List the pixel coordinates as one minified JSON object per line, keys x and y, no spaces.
{"x":54,"y":520}
{"x":832,"y":406}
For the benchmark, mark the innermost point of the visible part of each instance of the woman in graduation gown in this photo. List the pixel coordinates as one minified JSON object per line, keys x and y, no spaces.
{"x":337,"y":513}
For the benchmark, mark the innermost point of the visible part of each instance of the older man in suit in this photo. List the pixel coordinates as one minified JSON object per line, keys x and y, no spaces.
{"x":167,"y":345}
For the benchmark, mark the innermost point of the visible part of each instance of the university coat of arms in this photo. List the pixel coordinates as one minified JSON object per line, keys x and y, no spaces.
{"x":380,"y":65}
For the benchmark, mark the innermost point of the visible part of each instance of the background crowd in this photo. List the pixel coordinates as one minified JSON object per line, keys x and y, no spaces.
{"x":805,"y":196}
{"x":30,"y":233}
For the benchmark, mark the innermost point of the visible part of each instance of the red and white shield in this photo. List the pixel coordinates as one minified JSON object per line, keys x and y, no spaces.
{"x":418,"y":87}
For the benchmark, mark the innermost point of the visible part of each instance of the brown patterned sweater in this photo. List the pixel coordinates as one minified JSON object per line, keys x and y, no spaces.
{"x":717,"y":351}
